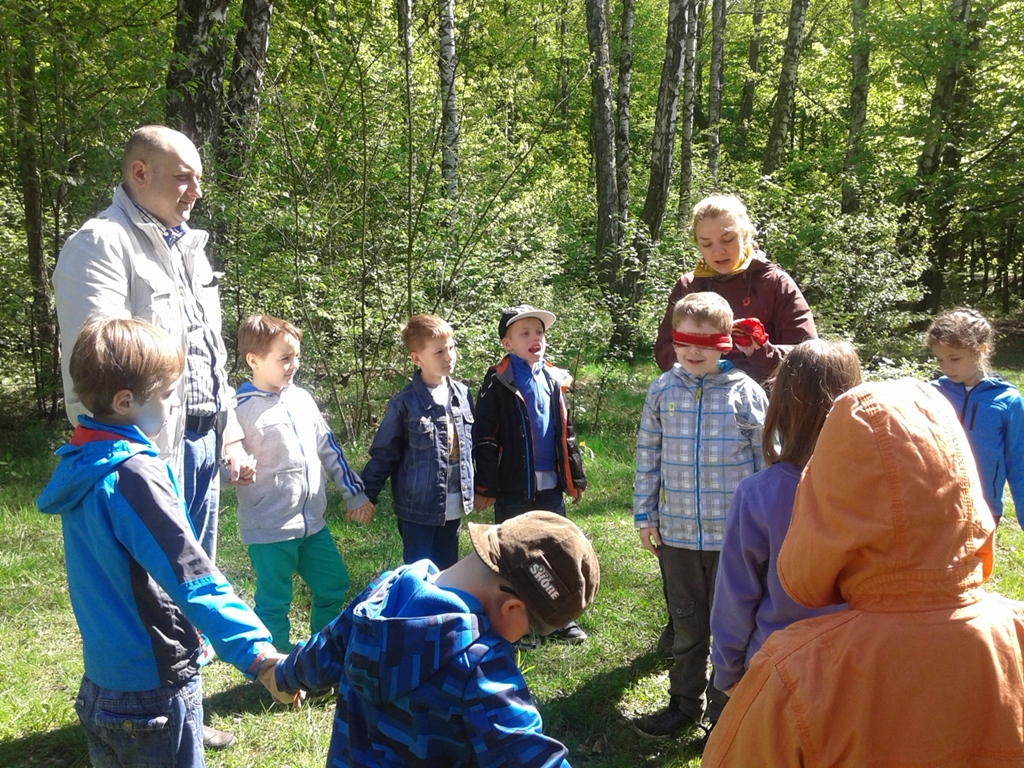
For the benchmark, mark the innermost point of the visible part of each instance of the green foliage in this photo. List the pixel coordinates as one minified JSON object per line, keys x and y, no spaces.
{"x":857,"y":284}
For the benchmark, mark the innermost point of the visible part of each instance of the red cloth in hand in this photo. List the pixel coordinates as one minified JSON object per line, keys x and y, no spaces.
{"x":749,"y":331}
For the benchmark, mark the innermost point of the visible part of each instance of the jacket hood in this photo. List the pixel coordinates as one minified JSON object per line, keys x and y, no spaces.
{"x":95,"y":451}
{"x":405,"y":630}
{"x":889,"y":513}
{"x":248,"y":389}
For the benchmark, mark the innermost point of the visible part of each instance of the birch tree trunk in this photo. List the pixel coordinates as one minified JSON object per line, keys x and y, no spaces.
{"x":715,"y":82}
{"x":690,"y":10}
{"x":622,"y":109}
{"x":404,"y":17}
{"x":563,"y":62}
{"x":449,"y":102}
{"x":608,"y":248}
{"x":853,"y":163}
{"x":750,"y":84}
{"x":242,"y":110}
{"x":787,"y":88}
{"x":195,"y":79}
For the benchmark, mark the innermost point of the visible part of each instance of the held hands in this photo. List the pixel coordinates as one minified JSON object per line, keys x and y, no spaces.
{"x":266,"y":676}
{"x":363,"y":514}
{"x":240,"y":464}
{"x":749,"y":335}
{"x":651,"y":540}
{"x":480,"y":503}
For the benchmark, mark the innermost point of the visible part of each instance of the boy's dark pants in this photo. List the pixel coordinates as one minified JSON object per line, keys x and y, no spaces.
{"x":507,"y":507}
{"x":690,"y":586}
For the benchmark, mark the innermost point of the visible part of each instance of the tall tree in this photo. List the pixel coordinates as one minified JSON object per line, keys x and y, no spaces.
{"x":608,"y":247}
{"x":242,"y":109}
{"x":786,"y":92}
{"x":853,"y":164}
{"x":27,"y":140}
{"x":750,"y":84}
{"x":622,"y":108}
{"x":405,"y":40}
{"x":653,"y":213}
{"x":941,"y":148}
{"x":716,"y":79}
{"x":195,"y":79}
{"x":691,"y":10}
{"x":449,"y":102}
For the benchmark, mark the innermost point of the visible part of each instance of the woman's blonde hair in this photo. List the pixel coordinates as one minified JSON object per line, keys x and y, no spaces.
{"x":805,"y":384}
{"x":730,"y":206}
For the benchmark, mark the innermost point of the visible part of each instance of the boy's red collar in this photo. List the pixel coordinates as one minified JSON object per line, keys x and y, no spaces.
{"x":83,"y":435}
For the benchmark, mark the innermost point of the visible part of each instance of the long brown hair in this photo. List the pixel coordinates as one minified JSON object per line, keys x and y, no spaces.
{"x":805,"y":384}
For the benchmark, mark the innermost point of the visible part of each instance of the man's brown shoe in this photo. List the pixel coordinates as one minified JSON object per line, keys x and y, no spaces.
{"x":217,"y":740}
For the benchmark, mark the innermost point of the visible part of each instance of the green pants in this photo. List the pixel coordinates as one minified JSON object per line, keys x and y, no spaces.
{"x":317,"y":560}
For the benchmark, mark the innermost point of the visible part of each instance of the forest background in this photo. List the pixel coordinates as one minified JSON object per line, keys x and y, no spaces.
{"x":365,"y":160}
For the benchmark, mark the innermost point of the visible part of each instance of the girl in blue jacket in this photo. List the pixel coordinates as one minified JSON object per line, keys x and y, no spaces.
{"x":991,"y":410}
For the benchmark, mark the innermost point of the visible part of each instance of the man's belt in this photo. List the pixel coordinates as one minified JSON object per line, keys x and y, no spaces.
{"x":200,"y":424}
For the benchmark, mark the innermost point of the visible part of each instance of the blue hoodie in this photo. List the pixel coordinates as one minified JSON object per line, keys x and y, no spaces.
{"x":421,"y":680}
{"x":992,"y":415}
{"x":138,"y":578}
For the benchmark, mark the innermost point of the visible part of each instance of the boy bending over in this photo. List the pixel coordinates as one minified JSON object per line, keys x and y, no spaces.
{"x":424,"y":663}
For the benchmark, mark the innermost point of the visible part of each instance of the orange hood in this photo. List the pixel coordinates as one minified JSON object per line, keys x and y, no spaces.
{"x":889,"y":514}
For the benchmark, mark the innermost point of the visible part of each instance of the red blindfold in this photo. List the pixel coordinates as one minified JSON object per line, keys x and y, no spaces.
{"x":745,"y":332}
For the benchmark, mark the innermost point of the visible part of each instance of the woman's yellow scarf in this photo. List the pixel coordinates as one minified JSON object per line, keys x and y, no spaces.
{"x":703,"y":270}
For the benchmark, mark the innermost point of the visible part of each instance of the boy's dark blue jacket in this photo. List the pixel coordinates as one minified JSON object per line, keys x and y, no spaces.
{"x":140,"y":583}
{"x":411,"y":447}
{"x":503,"y":441}
{"x":422,"y":681}
{"x":992,"y":415}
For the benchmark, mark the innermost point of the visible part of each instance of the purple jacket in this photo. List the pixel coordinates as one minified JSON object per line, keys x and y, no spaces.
{"x":750,"y":602}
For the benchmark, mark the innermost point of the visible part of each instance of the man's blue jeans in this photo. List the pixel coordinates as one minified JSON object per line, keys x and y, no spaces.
{"x":202,"y":487}
{"x":160,"y":728}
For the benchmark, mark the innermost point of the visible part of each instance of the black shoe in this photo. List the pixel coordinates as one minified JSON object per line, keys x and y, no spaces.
{"x":570,"y":633}
{"x":217,"y":740}
{"x":664,"y":723}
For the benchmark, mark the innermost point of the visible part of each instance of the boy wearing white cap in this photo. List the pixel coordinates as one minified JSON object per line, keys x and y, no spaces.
{"x":524,"y":444}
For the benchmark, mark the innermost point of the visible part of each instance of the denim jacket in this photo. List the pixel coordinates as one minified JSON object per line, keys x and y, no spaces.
{"x":411,"y":447}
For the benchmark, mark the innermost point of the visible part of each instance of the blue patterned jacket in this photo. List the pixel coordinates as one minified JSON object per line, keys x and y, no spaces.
{"x":421,"y":681}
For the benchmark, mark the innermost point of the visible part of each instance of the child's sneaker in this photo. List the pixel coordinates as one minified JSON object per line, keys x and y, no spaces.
{"x":665,"y":723}
{"x":571,"y":633}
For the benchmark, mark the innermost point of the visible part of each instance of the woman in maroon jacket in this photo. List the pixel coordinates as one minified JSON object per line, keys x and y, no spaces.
{"x":732,"y":267}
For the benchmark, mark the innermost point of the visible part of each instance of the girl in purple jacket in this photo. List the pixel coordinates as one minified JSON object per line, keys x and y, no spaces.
{"x":750,"y":603}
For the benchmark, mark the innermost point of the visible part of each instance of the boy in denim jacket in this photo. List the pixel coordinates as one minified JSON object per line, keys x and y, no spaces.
{"x":424,"y":444}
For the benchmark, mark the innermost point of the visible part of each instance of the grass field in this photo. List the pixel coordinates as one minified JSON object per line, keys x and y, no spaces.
{"x":585,"y":693}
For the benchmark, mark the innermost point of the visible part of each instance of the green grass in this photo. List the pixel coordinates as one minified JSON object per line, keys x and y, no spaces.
{"x":585,"y":693}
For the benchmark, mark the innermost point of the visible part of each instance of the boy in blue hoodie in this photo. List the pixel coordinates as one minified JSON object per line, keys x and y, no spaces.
{"x":423,"y":660}
{"x":140,"y":584}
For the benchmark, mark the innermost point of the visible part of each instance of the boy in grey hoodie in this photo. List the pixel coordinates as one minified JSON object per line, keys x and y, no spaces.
{"x":281,"y":515}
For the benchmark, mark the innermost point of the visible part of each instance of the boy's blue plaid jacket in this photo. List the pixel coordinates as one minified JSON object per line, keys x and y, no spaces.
{"x":699,"y":436}
{"x":422,"y":681}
